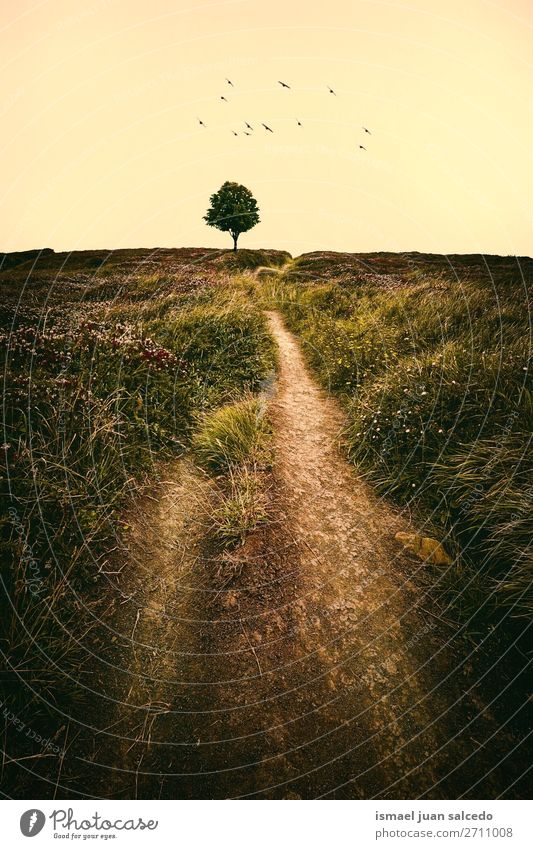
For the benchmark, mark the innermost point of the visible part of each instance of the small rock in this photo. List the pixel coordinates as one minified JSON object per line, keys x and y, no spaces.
{"x":426,"y":548}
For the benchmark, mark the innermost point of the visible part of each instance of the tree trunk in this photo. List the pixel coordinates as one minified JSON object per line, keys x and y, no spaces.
{"x":235,"y":242}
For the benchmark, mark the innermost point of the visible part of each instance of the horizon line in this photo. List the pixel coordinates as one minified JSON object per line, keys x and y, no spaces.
{"x":110,"y":251}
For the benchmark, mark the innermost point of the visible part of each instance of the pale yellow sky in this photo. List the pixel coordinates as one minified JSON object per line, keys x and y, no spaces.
{"x":101,"y":147}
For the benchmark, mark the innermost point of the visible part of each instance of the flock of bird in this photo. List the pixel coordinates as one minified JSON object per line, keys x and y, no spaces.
{"x":249,"y":129}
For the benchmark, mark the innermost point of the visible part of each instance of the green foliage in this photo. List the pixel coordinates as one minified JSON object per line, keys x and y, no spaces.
{"x":233,"y":209}
{"x":234,"y":435}
{"x":222,"y":344}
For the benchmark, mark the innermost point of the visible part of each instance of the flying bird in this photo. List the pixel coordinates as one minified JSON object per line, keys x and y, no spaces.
{"x":229,"y":82}
{"x":201,"y":122}
{"x":248,"y":125}
{"x":247,"y":134}
{"x":267,"y":128}
{"x":331,"y":91}
{"x":283,"y":85}
{"x":367,"y":131}
{"x":223,"y":98}
{"x":361,"y":147}
{"x":234,"y":133}
{"x":298,"y":122}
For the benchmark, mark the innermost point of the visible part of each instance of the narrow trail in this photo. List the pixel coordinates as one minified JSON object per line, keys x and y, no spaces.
{"x":316,"y":669}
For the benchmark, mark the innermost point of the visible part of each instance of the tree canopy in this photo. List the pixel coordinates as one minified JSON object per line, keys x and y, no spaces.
{"x":233,"y":209}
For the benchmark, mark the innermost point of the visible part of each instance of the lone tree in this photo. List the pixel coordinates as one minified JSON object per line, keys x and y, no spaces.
{"x":233,"y":209}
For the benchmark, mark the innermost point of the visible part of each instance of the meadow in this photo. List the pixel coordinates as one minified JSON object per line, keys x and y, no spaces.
{"x":430,"y":358}
{"x":110,"y":362}
{"x":145,"y":470}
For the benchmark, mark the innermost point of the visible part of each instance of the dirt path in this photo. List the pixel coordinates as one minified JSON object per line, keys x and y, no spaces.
{"x":314,"y":669}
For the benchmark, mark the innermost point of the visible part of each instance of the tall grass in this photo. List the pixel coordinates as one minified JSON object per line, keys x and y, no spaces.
{"x":243,"y":506}
{"x":234,"y":435}
{"x":434,"y":376}
{"x":234,"y":442}
{"x":95,"y":397}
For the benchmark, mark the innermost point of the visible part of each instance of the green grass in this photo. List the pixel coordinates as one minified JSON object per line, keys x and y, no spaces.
{"x":97,"y":394}
{"x":234,"y":435}
{"x":234,"y":442}
{"x":434,"y":375}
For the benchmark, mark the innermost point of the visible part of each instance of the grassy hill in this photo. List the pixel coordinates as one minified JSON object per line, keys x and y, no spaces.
{"x":430,"y":356}
{"x":117,"y":363}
